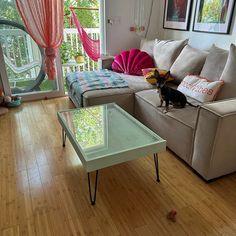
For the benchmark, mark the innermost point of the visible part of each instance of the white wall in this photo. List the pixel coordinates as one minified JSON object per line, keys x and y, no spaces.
{"x":155,"y":22}
{"x":198,"y":39}
{"x":118,"y":36}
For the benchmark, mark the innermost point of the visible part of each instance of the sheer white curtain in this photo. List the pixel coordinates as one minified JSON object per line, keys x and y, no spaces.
{"x":141,"y":11}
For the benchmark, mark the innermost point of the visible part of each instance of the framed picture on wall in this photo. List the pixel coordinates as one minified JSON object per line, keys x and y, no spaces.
{"x":177,"y":14}
{"x":213,"y":16}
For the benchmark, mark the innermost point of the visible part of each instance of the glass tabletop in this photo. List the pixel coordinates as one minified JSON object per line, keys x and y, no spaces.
{"x":105,"y":130}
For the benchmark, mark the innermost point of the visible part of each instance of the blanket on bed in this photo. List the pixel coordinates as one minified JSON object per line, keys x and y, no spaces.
{"x":80,"y":82}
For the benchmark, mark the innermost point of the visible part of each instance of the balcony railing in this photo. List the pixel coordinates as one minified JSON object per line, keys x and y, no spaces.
{"x":20,"y":54}
{"x":71,"y":37}
{"x":19,"y":50}
{"x":23,"y":58}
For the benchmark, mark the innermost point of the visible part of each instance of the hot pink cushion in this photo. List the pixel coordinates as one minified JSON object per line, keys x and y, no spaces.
{"x":132,"y":62}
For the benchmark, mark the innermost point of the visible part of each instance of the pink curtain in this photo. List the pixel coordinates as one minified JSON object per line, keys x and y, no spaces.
{"x":91,"y":46}
{"x":43,"y":20}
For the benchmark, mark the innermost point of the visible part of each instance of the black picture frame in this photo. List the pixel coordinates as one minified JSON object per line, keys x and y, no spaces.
{"x":177,"y":17}
{"x":214,"y":25}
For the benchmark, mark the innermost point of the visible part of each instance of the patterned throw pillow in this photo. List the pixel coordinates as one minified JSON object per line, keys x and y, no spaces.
{"x":150,"y":72}
{"x":200,"y":88}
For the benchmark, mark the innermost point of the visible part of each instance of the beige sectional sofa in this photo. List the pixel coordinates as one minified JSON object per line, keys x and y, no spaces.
{"x":203,"y":137}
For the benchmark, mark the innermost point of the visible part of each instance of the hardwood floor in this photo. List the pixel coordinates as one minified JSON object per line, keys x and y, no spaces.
{"x":43,"y":187}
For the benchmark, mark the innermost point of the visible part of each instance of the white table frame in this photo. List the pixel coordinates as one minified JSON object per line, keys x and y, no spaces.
{"x":120,"y":157}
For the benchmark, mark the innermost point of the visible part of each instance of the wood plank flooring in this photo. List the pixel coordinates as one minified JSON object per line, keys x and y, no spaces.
{"x":43,"y":187}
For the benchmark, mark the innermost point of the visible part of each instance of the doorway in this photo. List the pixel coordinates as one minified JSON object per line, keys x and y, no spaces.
{"x":90,"y":14}
{"x":21,"y":59}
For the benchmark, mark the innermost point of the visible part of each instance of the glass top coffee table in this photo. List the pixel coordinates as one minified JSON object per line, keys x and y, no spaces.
{"x":106,"y":135}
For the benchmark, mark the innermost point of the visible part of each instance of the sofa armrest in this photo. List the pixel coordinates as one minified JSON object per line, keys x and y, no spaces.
{"x":214,"y":152}
{"x":105,"y":62}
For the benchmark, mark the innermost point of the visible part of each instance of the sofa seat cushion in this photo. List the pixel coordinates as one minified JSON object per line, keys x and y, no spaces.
{"x":137,"y":83}
{"x":187,"y":115}
{"x":176,"y":126}
{"x":124,"y":97}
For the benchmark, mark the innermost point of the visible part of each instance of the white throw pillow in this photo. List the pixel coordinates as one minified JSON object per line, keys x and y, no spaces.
{"x":200,"y":88}
{"x":147,"y":46}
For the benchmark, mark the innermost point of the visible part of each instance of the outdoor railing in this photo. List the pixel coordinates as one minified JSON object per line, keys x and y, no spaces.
{"x":23,"y":57}
{"x":19,"y":52}
{"x":71,"y":37}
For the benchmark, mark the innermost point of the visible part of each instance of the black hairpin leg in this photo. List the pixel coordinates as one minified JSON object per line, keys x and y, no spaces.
{"x":63,"y":138}
{"x":93,"y":199}
{"x":156,"y":166}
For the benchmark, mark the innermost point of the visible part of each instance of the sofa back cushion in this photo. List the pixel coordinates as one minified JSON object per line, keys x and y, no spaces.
{"x":166,"y":51}
{"x":229,"y":76}
{"x":147,"y":46}
{"x":189,"y":61}
{"x":200,"y":88}
{"x":215,"y":63}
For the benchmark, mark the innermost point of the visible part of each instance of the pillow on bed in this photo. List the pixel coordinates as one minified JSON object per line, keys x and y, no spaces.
{"x":132,"y":62}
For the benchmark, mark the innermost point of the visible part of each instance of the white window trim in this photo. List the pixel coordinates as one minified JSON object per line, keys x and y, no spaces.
{"x":3,"y":75}
{"x":102,"y":21}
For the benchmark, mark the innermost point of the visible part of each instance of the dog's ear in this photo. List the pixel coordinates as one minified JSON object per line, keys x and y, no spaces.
{"x":156,"y":73}
{"x":167,"y":75}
